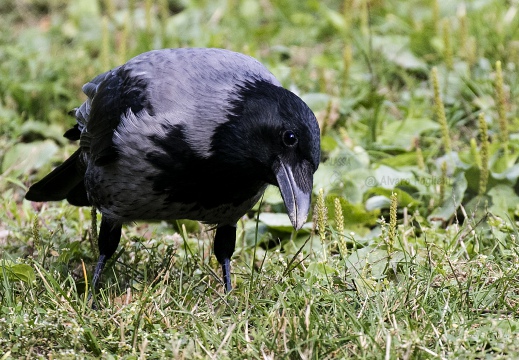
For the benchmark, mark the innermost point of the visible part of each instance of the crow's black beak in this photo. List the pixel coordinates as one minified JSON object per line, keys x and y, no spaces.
{"x":296,"y":189}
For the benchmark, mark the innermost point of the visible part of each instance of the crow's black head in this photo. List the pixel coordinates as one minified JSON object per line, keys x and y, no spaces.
{"x":273,"y":135}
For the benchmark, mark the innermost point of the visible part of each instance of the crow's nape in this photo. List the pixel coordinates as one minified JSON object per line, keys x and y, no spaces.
{"x":224,"y":244}
{"x":108,"y":241}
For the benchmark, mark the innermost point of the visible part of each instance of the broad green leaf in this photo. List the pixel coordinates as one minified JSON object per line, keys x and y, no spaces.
{"x":511,"y":174}
{"x":396,"y":49}
{"x":403,"y":133}
{"x":316,"y":101}
{"x":25,"y":157}
{"x":18,"y":272}
{"x":272,"y":196}
{"x":388,"y":177}
{"x":365,"y":286}
{"x":191,"y":226}
{"x":355,"y":215}
{"x":403,"y":198}
{"x":328,"y":143}
{"x":250,"y":233}
{"x":361,"y":262}
{"x":378,"y":202}
{"x":336,"y":19}
{"x":280,"y":222}
{"x":401,"y":160}
{"x":452,"y":161}
{"x":319,"y":270}
{"x":43,"y":130}
{"x":249,"y":8}
{"x":452,"y":201}
{"x":507,"y":178}
{"x":83,"y":8}
{"x":504,"y":199}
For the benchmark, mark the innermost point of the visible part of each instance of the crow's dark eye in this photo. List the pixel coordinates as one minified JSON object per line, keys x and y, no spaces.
{"x":289,"y":138}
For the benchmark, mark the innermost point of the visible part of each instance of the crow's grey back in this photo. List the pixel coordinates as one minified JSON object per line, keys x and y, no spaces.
{"x":189,"y":87}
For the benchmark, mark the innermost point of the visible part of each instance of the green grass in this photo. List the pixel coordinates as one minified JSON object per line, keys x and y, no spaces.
{"x":434,"y":277}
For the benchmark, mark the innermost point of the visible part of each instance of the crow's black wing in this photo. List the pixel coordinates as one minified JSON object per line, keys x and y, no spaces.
{"x":64,"y":182}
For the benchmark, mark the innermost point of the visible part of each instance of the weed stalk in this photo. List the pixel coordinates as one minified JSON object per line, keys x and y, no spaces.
{"x":447,"y":45}
{"x":439,"y":110}
{"x":483,"y":169}
{"x":392,"y":223}
{"x":339,"y":224}
{"x":322,"y":219}
{"x":501,"y":110}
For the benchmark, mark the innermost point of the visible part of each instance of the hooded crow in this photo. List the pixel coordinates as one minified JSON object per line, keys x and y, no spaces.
{"x":186,"y":134}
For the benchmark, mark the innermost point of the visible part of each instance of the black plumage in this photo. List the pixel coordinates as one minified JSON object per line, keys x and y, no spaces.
{"x":186,"y":134}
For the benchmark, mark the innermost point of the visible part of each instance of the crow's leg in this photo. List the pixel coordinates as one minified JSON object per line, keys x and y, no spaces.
{"x":109,"y":237}
{"x":224,"y":243}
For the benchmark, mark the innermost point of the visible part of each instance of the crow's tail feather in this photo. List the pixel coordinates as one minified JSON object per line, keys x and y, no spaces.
{"x":64,"y":182}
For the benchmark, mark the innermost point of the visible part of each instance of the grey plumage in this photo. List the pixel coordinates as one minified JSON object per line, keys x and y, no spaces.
{"x":181,"y":84}
{"x":195,"y":84}
{"x":186,"y":133}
